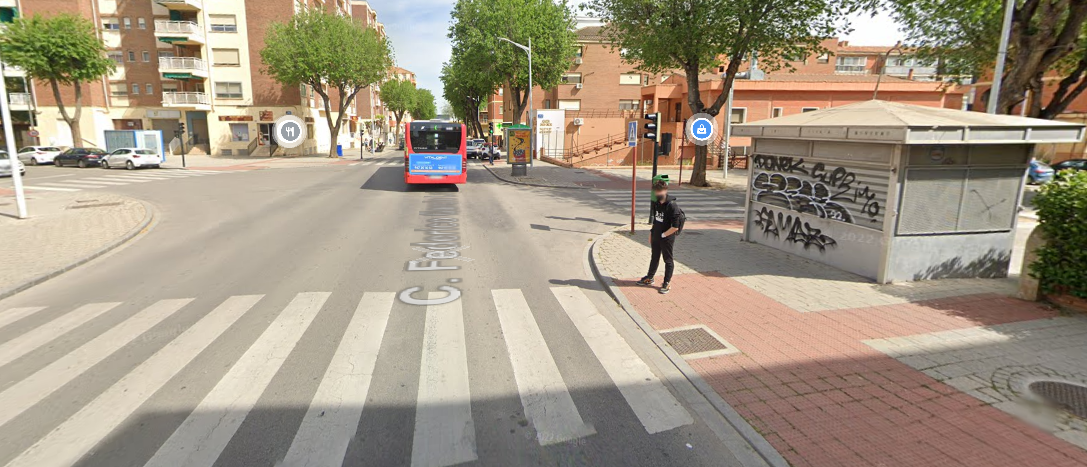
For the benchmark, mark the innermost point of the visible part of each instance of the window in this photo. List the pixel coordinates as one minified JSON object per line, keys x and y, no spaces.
{"x":118,"y":89}
{"x":739,"y":115}
{"x":117,"y":56}
{"x":547,"y":103}
{"x":628,"y":104}
{"x":135,"y":89}
{"x":169,"y":87}
{"x":146,"y":56}
{"x":150,"y":89}
{"x":166,"y":54}
{"x":223,"y":23}
{"x":225,"y":57}
{"x":569,"y":104}
{"x":128,"y":23}
{"x":228,"y":90}
{"x":630,"y":78}
{"x":239,"y":132}
{"x":131,"y":56}
{"x":571,"y":78}
{"x":823,"y":59}
{"x":141,"y":23}
{"x":679,"y":112}
{"x":580,"y":52}
{"x":111,"y":24}
{"x":776,"y":112}
{"x":809,"y":109}
{"x":851,"y":65}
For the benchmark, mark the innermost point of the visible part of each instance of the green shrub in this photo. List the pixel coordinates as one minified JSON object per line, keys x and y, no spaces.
{"x":1061,"y":267}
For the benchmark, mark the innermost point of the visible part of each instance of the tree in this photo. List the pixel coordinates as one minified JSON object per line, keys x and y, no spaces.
{"x":332,"y":54}
{"x":696,"y":36}
{"x":62,"y":50}
{"x":399,"y":98}
{"x":424,"y":107}
{"x":468,"y":84}
{"x":447,"y":109}
{"x":477,"y":26}
{"x":1047,"y":37}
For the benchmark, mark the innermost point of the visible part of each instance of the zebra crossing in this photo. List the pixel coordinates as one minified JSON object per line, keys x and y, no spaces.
{"x":383,"y":161}
{"x":108,"y":179}
{"x":444,"y":426}
{"x":698,"y":205}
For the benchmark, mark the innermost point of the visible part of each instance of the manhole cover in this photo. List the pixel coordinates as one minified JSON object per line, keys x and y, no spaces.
{"x":1069,"y":397}
{"x":697,"y":342}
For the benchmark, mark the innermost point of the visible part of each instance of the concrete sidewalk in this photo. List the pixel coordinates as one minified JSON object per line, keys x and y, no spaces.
{"x":65,"y":230}
{"x":543,"y":174}
{"x":834,"y":370}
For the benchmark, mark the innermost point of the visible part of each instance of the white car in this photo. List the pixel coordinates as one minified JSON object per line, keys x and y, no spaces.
{"x":37,"y":155}
{"x":5,"y":165}
{"x":131,"y":158}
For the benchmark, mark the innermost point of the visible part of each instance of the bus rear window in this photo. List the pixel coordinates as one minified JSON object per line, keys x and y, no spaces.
{"x":435,"y":141}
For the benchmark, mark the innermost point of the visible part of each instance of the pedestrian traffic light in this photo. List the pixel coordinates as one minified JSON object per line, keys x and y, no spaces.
{"x":652,"y":129}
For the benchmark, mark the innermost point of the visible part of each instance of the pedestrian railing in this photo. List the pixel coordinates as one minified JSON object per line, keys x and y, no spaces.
{"x":181,"y":28}
{"x":19,"y":98}
{"x":182,"y":63}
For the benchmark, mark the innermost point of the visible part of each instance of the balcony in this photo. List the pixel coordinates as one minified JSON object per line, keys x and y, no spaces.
{"x":179,"y":32}
{"x":186,"y":100}
{"x":182,"y":5}
{"x":12,"y":70}
{"x":903,"y":71}
{"x":20,"y":100}
{"x":183,"y":67}
{"x":851,"y":69}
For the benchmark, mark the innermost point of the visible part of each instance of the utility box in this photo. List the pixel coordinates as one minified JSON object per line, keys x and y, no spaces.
{"x":142,"y":139}
{"x":894,"y":192}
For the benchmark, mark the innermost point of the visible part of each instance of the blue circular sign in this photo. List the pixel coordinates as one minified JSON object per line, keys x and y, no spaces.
{"x":702,"y":129}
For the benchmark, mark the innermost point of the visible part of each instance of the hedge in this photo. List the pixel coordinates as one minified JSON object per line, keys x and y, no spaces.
{"x":1061,"y":267}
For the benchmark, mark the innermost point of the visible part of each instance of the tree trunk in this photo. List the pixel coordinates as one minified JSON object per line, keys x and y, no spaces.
{"x":1067,"y":91}
{"x":71,"y":120}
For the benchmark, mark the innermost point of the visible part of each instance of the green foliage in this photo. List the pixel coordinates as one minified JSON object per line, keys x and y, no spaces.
{"x":63,"y":48}
{"x":424,"y":107}
{"x":1061,"y":267}
{"x":399,"y":97}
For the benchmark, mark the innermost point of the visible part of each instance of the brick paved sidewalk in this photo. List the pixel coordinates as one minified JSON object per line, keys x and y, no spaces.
{"x":64,"y":229}
{"x":836,"y":371}
{"x":547,"y":175}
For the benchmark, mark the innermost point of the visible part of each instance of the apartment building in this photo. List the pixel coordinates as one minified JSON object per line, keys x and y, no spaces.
{"x":373,"y":117}
{"x":186,"y":62}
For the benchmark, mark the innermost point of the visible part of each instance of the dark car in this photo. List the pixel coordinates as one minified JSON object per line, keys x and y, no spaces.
{"x":80,"y":157}
{"x":1074,"y":164}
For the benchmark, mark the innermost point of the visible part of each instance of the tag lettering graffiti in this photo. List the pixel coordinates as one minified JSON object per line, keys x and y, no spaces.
{"x":829,"y":193}
{"x":795,"y":229}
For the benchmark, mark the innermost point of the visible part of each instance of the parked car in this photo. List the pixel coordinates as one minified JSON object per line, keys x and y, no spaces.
{"x":474,"y":147}
{"x":1039,"y":172}
{"x":131,"y":158}
{"x":486,"y":148}
{"x":37,"y":155}
{"x":5,"y":165}
{"x":1075,"y":164}
{"x":79,"y":157}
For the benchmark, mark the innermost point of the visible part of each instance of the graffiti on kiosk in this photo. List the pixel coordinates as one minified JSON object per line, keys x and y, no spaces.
{"x":829,"y":193}
{"x":794,"y":228}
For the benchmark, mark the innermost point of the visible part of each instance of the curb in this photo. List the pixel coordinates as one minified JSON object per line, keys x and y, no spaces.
{"x":766,"y":452}
{"x":515,"y":182}
{"x":148,"y":218}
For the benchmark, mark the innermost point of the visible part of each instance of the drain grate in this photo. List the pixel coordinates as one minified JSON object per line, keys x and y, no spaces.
{"x":1069,"y":397}
{"x":697,"y":342}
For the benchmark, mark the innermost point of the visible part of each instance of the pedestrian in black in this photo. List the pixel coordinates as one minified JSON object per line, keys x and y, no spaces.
{"x":668,"y":221}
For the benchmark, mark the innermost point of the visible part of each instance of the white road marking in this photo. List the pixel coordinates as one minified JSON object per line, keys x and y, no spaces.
{"x":117,"y":178}
{"x":49,"y":188}
{"x":544,"y":395}
{"x":73,"y":185}
{"x":44,"y":334}
{"x":444,"y":431}
{"x":333,"y":415}
{"x":70,"y":441}
{"x":203,"y":435}
{"x":655,"y":406}
{"x":16,"y":314}
{"x":44,"y":382}
{"x":94,"y":181}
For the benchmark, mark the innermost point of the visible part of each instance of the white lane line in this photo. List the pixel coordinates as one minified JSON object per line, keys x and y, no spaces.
{"x":74,"y":438}
{"x":444,"y":431}
{"x":49,"y":188}
{"x":544,"y":395}
{"x":45,"y":333}
{"x":655,"y":406}
{"x":205,"y":433}
{"x":333,"y":415}
{"x":16,"y":314}
{"x":41,"y":384}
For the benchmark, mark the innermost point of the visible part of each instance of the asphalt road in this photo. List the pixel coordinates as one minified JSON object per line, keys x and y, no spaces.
{"x":273,"y":318}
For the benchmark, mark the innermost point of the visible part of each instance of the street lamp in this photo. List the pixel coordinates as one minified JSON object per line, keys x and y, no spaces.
{"x":531,"y":111}
{"x":883,"y":66}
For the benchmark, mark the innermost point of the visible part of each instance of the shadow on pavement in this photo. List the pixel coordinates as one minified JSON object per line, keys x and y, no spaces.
{"x":392,"y":179}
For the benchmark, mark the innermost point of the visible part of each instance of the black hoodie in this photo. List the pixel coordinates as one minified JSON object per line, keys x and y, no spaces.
{"x":667,"y":215}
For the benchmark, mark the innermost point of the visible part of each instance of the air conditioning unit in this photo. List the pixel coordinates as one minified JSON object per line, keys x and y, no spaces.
{"x":578,"y":61}
{"x":579,"y":85}
{"x":579,"y":121}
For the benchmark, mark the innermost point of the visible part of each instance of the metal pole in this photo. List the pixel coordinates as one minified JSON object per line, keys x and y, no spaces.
{"x":1001,"y":57}
{"x":531,"y":111}
{"x":9,"y":135}
{"x":728,"y":133}
{"x":633,"y":184}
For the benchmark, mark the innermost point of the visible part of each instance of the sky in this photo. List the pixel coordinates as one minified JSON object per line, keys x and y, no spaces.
{"x":418,"y":28}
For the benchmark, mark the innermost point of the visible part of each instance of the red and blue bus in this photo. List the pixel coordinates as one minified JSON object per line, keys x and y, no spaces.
{"x":435,"y":152}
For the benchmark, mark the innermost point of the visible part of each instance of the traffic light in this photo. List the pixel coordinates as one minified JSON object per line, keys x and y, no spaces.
{"x":666,"y":144}
{"x":490,"y":127}
{"x":652,"y":127}
{"x":181,"y":127}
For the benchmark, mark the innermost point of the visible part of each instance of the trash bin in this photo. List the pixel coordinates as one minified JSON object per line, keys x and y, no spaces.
{"x":661,"y":177}
{"x":339,"y":150}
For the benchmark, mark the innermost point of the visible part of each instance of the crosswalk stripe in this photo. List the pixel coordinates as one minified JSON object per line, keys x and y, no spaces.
{"x":49,"y":188}
{"x":333,"y":415}
{"x":110,"y":180}
{"x":654,"y":405}
{"x":16,"y":314}
{"x":547,"y":401}
{"x":70,"y":441}
{"x":41,"y":384}
{"x":205,"y":433}
{"x":26,"y":343}
{"x":178,"y":174}
{"x":73,"y":185}
{"x":97,"y":181}
{"x":444,"y":431}
{"x":146,"y":178}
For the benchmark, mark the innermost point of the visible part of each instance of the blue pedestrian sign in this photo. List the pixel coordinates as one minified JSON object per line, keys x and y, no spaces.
{"x":632,"y":134}
{"x":701,"y":129}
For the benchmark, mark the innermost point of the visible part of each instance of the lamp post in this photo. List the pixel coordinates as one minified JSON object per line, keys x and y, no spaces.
{"x":531,"y":111}
{"x":1001,"y":58}
{"x":883,"y":66}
